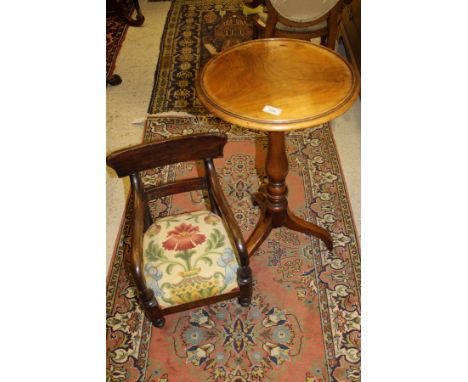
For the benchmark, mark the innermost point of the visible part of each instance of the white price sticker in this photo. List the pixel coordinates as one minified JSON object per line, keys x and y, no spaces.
{"x":272,"y":110}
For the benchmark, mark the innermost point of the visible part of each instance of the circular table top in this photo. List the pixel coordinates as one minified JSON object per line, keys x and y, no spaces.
{"x":277,"y":84}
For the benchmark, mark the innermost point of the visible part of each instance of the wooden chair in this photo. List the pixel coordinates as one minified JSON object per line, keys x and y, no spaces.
{"x":300,"y":19}
{"x":191,"y":259}
{"x":121,"y":7}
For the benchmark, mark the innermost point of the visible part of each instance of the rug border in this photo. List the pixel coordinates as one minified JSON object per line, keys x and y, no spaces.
{"x":117,"y":239}
{"x":117,"y":51}
{"x":358,"y":237}
{"x":158,"y":65}
{"x":122,"y":221}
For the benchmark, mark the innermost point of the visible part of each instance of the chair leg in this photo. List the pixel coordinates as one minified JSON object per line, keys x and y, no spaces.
{"x":151,"y":308}
{"x":271,"y":21}
{"x":323,"y":40}
{"x":159,"y":322}
{"x":114,"y":80}
{"x":332,"y":22}
{"x":244,"y":279}
{"x":155,"y":316}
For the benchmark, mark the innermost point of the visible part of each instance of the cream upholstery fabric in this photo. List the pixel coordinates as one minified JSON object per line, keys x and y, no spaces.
{"x":323,"y":24}
{"x":303,"y":11}
{"x":188,"y":257}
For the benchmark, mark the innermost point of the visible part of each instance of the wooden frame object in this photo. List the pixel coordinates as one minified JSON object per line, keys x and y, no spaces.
{"x":328,"y":34}
{"x":115,"y":79}
{"x":350,"y":32}
{"x":117,"y":6}
{"x":205,"y":147}
{"x":257,"y":85}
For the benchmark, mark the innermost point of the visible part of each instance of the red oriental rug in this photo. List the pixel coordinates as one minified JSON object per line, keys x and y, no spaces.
{"x":116,"y":28}
{"x":304,"y":321}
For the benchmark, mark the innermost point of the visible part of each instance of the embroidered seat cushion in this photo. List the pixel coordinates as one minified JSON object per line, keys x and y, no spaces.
{"x":188,"y":257}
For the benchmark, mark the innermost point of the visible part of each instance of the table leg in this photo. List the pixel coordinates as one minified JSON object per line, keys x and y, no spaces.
{"x":260,"y":233}
{"x":272,"y":199}
{"x":297,"y":224}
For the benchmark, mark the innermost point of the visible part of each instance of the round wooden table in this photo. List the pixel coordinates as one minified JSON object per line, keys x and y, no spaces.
{"x":277,"y":85}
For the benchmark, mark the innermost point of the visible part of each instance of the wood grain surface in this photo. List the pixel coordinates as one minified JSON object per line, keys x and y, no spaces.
{"x":309,"y":83}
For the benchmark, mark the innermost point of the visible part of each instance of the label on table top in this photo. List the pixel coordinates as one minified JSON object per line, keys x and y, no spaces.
{"x":272,"y":110}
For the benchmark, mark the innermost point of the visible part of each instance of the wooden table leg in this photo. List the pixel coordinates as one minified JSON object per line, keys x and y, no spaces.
{"x":260,"y":233}
{"x":297,"y":224}
{"x":272,"y":199}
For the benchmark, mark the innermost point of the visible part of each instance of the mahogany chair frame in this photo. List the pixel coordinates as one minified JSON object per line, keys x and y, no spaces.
{"x":205,"y":147}
{"x":117,"y":6}
{"x":328,"y":35}
{"x":115,"y":79}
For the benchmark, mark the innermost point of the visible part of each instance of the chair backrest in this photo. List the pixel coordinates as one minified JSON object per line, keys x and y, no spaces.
{"x":303,"y":11}
{"x":161,"y":153}
{"x":131,"y":161}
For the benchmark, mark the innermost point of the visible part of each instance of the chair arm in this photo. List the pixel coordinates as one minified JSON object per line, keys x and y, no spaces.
{"x":226,"y":213}
{"x":136,"y":262}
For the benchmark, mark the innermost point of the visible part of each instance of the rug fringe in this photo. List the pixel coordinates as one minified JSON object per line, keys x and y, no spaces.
{"x":171,"y":114}
{"x":197,"y":120}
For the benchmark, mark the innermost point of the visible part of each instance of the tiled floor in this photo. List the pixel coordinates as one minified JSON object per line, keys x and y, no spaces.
{"x":127,"y":104}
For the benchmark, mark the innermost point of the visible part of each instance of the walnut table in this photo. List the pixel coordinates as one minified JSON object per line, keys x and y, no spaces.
{"x":277,"y":85}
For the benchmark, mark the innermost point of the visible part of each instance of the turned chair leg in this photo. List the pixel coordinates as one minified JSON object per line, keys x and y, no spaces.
{"x":155,"y":316}
{"x":323,"y":40}
{"x":244,"y":279}
{"x":114,"y":80}
{"x":151,"y":308}
{"x":159,"y":322}
{"x":244,"y":301}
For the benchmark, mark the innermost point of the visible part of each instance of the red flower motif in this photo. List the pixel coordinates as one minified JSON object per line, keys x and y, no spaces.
{"x":183,"y":237}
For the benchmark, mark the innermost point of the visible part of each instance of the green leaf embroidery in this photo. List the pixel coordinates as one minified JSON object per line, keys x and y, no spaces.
{"x":186,"y":256}
{"x":154,"y":253}
{"x":170,"y":267}
{"x":195,"y":216}
{"x":170,"y":220}
{"x":206,"y":259}
{"x":221,"y":277}
{"x":216,"y":240}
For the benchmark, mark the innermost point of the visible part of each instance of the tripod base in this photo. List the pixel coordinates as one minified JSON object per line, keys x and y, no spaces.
{"x":270,"y":219}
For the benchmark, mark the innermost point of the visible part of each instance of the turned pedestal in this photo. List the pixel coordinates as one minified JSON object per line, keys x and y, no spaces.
{"x":278,"y":85}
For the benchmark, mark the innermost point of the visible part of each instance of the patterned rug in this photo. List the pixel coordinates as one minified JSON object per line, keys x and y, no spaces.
{"x":304,"y":322}
{"x":195,"y":30}
{"x":116,"y":28}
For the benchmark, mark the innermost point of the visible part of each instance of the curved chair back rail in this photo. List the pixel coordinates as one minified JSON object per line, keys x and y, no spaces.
{"x":301,"y":19}
{"x":156,"y":154}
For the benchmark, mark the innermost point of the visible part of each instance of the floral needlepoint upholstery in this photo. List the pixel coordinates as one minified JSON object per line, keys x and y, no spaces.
{"x":188,"y":257}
